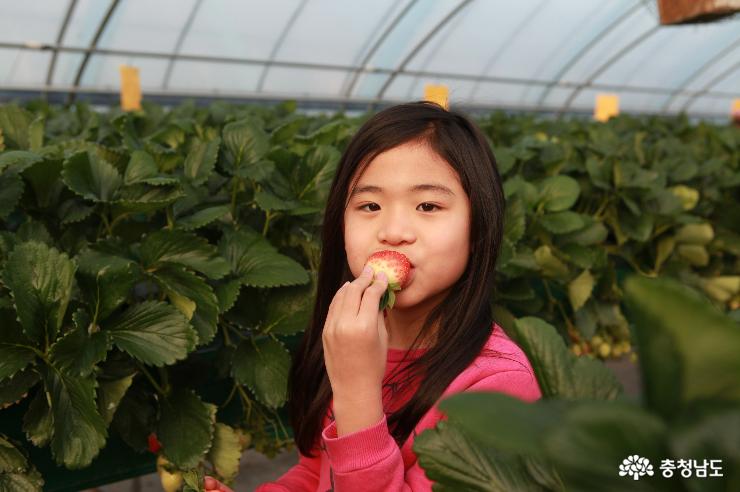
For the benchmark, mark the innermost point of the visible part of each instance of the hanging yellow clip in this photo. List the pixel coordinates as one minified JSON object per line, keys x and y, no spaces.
{"x":438,"y":94}
{"x":130,"y":88}
{"x":607,"y":105}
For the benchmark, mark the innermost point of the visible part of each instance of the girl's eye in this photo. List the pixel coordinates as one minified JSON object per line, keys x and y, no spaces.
{"x":362,"y":207}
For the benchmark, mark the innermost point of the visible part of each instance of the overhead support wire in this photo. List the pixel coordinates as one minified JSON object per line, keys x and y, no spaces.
{"x":279,"y":43}
{"x":93,"y":44}
{"x":420,"y":45}
{"x":180,"y":40}
{"x":60,"y":38}
{"x":586,"y":48}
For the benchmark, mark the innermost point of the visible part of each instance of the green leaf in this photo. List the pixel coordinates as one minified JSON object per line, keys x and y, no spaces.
{"x":201,"y":160}
{"x":16,"y":482}
{"x":315,"y":176}
{"x":41,"y":280}
{"x":72,"y":210}
{"x":16,"y":388}
{"x":580,"y":288}
{"x":550,"y":264}
{"x":245,"y":142}
{"x":36,"y":133}
{"x":674,"y":362}
{"x":140,"y":167}
{"x":110,"y":394}
{"x":562,"y":222}
{"x":79,"y":430}
{"x":11,"y":190}
{"x":559,"y":193}
{"x":184,"y":410}
{"x":288,"y":310}
{"x":146,"y":197}
{"x":16,"y":352}
{"x":560,"y":373}
{"x":106,"y":279}
{"x":38,"y":422}
{"x":202,"y":217}
{"x":263,"y":366}
{"x":179,"y":283}
{"x":515,"y":223}
{"x":452,"y":459}
{"x":594,"y":233}
{"x":185,"y":249}
{"x":152,"y":332}
{"x":258,"y":263}
{"x":227,"y":293}
{"x":593,"y":438}
{"x":78,"y":351}
{"x":18,"y":161}
{"x":225,"y":452}
{"x":11,"y":460}
{"x":91,"y":177}
{"x":14,"y":123}
{"x":639,"y":228}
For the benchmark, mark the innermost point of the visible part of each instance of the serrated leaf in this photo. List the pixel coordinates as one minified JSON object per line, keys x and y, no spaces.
{"x":11,"y":460}
{"x":79,"y":431}
{"x":110,"y":394}
{"x":580,"y":288}
{"x":245,"y":142}
{"x":258,"y":263}
{"x":184,"y":248}
{"x":16,"y":352}
{"x":263,"y":369}
{"x":143,"y":197}
{"x":106,"y":279}
{"x":17,"y":482}
{"x":550,"y":264}
{"x":288,"y":310}
{"x":202,"y":217}
{"x":452,"y":459}
{"x":185,"y":410}
{"x":38,"y":422}
{"x":152,"y":332}
{"x":91,"y":177}
{"x":71,"y":211}
{"x":14,"y":123}
{"x":11,"y":190}
{"x":227,"y":293}
{"x":201,"y":160}
{"x":193,"y":296}
{"x":17,"y":161}
{"x":225,"y":452}
{"x":78,"y":351}
{"x":140,"y":167}
{"x":17,"y":387}
{"x":560,"y":373}
{"x":559,"y":193}
{"x":41,"y":281}
{"x":562,"y":222}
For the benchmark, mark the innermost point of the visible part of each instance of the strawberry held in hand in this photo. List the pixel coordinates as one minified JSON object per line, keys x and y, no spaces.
{"x":396,"y":267}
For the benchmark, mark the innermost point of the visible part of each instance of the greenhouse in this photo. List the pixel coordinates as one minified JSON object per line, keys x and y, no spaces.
{"x":415,"y":245}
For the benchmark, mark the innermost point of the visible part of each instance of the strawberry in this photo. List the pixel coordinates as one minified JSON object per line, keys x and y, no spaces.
{"x":154,"y":444}
{"x":396,"y":267}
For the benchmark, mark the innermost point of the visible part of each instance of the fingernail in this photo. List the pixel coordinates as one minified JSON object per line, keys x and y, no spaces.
{"x":382,"y":276}
{"x":367,"y":271}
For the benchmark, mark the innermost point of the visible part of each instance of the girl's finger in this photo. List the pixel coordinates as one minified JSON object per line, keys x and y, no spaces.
{"x":355,"y":290}
{"x":369,"y":309}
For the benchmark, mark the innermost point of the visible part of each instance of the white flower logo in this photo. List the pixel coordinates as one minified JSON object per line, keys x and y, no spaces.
{"x":636,"y":467}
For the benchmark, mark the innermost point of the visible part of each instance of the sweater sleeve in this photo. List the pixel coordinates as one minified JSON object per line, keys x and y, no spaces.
{"x":303,"y":477}
{"x":369,"y":460}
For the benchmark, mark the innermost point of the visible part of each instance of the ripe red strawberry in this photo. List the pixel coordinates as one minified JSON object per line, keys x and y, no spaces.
{"x":154,"y":444}
{"x":396,"y":267}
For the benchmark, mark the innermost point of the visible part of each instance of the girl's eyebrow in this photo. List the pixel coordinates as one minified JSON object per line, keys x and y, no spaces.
{"x":413,"y":189}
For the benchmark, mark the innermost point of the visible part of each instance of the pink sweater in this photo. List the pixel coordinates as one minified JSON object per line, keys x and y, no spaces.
{"x":370,"y":460}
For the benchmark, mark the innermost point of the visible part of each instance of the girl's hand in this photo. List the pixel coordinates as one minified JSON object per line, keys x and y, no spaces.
{"x":213,"y":485}
{"x":355,"y":339}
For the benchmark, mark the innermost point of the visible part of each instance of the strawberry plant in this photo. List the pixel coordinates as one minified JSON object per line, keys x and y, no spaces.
{"x":146,"y":257}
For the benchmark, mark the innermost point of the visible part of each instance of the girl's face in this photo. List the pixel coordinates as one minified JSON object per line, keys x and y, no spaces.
{"x":430,"y":226}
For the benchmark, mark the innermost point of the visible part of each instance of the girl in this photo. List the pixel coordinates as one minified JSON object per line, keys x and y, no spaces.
{"x":422,"y":181}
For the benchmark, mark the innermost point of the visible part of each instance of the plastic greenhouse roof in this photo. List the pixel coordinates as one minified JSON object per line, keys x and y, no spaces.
{"x":545,"y":55}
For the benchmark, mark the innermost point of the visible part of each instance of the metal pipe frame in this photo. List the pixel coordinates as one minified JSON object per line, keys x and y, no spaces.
{"x":619,"y":54}
{"x":180,"y":40}
{"x":94,"y":44}
{"x":697,"y":73}
{"x":108,"y":98}
{"x":420,"y":45}
{"x":587,"y":47}
{"x":279,"y":43}
{"x":378,"y":44}
{"x":349,"y":68}
{"x":60,"y":38}
{"x":730,"y":70}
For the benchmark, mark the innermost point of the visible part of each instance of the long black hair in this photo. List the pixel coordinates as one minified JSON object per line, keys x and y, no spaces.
{"x":464,"y":317}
